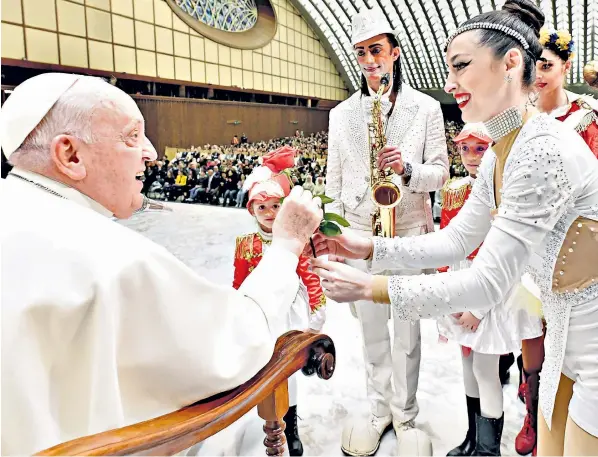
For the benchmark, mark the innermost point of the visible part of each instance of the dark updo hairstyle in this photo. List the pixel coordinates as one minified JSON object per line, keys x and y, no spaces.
{"x":396,"y":70}
{"x":524,"y":17}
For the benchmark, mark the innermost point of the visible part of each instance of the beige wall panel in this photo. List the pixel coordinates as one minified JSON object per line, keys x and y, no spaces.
{"x":283,"y":51}
{"x":124,"y":30}
{"x":73,"y":51}
{"x":164,"y":42}
{"x":247,"y":79}
{"x":311,"y":60}
{"x":257,"y":62}
{"x":146,"y":63}
{"x":41,"y":46}
{"x":275,"y":49}
{"x":236,"y":77}
{"x":276,"y":67}
{"x":236,"y":58}
{"x":101,"y":4}
{"x":267,"y":49}
{"x":276,"y":84}
{"x":144,"y":36}
{"x":284,"y":85}
{"x":283,"y":34}
{"x":11,"y":11}
{"x":198,"y":71}
{"x":144,"y":10}
{"x":298,"y":39}
{"x":100,"y":56}
{"x":163,"y":14}
{"x":212,"y":74}
{"x":211,"y":51}
{"x":197,"y":48}
{"x":290,"y":37}
{"x":124,"y":60}
{"x":282,"y":17}
{"x":223,"y":55}
{"x":284,"y":69}
{"x":297,"y":58}
{"x":182,"y":68}
{"x":181,"y":44}
{"x":71,"y":18}
{"x":124,"y":7}
{"x":165,"y":66}
{"x":179,"y":25}
{"x":258,"y":81}
{"x":267,"y":65}
{"x":13,"y":42}
{"x":40,"y":13}
{"x":311,"y":90}
{"x":292,"y":73}
{"x":305,"y":74}
{"x":99,"y":26}
{"x":304,"y":57}
{"x":247,"y":60}
{"x":267,"y":82}
{"x":304,"y":42}
{"x":299,"y":88}
{"x":292,"y":86}
{"x":312,"y":75}
{"x":224,"y":76}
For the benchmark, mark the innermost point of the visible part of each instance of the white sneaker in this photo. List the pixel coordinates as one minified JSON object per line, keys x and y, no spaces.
{"x":411,"y":441}
{"x":362,"y":437}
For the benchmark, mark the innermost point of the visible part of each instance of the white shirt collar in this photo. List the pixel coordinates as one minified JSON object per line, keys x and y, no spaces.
{"x":62,"y":189}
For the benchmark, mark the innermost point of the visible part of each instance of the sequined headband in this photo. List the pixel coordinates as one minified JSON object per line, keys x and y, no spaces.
{"x":489,"y":26}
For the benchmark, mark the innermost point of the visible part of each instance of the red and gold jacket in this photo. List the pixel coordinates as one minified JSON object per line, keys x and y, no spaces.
{"x":454,"y":195}
{"x":587,"y":126}
{"x":248,"y":253}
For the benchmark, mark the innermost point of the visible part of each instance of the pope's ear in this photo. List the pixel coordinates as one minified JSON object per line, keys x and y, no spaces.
{"x":65,"y":152}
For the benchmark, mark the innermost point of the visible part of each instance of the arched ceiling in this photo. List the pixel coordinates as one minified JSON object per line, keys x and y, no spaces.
{"x":423,"y":26}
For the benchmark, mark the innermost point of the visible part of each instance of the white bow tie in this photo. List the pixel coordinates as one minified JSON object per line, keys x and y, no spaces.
{"x":368,"y":103}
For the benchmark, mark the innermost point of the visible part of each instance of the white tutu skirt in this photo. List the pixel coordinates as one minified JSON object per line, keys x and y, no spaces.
{"x":500,"y":331}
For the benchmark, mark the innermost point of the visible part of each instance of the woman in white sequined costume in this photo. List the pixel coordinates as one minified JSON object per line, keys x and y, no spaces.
{"x":483,"y":335}
{"x":543,"y":181}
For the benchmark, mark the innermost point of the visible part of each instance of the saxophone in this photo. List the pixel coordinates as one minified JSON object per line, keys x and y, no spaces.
{"x":386,"y":195}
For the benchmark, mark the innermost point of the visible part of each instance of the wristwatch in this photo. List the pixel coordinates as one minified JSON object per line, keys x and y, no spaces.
{"x":407,"y":170}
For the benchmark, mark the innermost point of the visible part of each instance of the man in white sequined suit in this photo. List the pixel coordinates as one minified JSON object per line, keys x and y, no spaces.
{"x":415,"y":127}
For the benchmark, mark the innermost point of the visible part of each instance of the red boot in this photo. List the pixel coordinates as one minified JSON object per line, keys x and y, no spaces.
{"x":526,"y":439}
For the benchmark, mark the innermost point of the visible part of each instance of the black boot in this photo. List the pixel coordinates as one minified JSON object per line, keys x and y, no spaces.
{"x":489,"y":435}
{"x":468,"y":446}
{"x":504,"y":364}
{"x":292,"y":432}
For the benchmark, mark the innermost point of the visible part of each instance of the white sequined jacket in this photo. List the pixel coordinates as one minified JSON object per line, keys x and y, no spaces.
{"x":550,"y":184}
{"x":416,"y":125}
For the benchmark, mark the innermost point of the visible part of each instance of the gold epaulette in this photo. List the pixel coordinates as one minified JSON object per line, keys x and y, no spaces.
{"x":244,"y":246}
{"x":586,"y":121}
{"x":454,"y":197}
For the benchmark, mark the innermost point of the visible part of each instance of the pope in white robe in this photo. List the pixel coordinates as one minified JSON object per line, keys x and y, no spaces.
{"x":101,"y":327}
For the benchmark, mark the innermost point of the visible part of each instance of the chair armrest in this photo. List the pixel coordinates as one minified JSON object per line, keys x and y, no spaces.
{"x":179,"y":430}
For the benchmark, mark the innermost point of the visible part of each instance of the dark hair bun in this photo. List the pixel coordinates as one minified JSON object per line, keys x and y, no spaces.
{"x":527,"y":12}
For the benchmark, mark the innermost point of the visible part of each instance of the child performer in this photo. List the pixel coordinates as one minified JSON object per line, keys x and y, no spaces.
{"x":484,"y":336}
{"x":266,"y":185}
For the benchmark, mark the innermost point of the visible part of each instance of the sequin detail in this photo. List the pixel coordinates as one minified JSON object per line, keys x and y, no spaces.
{"x":504,"y":123}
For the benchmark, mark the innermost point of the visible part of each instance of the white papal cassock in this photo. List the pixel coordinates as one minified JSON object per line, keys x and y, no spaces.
{"x":102,"y":328}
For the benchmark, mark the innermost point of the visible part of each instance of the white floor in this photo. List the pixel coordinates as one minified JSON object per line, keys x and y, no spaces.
{"x":204,"y":238}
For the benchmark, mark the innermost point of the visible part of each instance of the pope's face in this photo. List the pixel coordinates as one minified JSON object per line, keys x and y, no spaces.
{"x":117,"y":157}
{"x":265,"y":212}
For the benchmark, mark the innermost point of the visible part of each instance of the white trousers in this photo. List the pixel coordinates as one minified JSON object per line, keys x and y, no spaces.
{"x":390,"y":362}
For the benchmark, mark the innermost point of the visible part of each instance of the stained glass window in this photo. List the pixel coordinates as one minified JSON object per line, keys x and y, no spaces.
{"x":227,"y":15}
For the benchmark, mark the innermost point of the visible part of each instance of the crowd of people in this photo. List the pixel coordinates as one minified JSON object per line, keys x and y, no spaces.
{"x":215,"y":174}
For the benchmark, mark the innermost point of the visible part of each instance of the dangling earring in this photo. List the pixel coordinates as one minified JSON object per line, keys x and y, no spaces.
{"x":508,"y":78}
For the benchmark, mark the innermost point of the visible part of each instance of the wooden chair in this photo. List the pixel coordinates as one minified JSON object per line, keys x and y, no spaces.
{"x":174,"y":432}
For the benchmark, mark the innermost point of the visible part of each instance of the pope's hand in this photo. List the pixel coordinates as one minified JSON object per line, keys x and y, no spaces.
{"x":341,"y":282}
{"x":390,"y":156}
{"x":347,"y":245}
{"x":298,"y":218}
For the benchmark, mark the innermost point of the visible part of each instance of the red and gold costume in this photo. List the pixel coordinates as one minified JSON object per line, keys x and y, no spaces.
{"x":582,"y":114}
{"x":248,"y":253}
